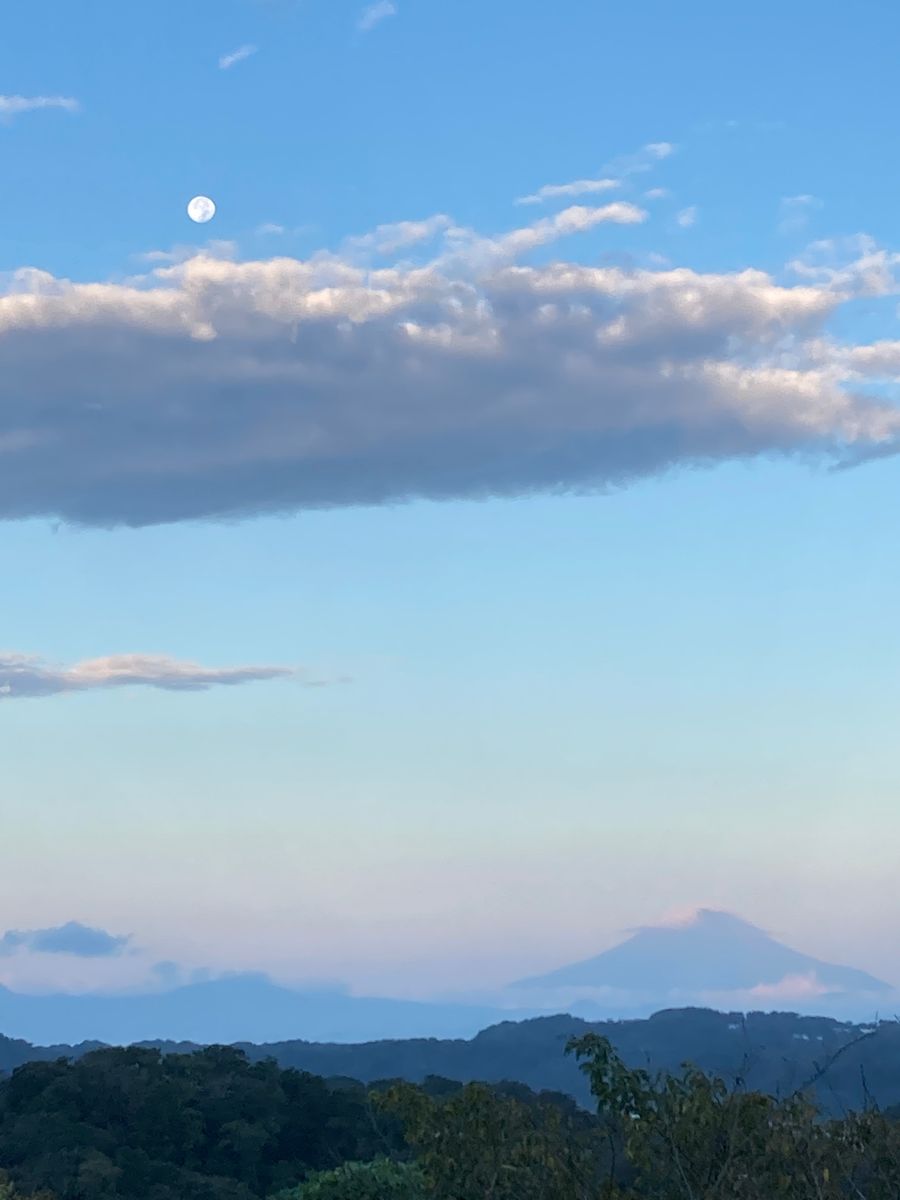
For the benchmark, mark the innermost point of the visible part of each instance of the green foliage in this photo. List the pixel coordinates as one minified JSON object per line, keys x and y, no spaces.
{"x":692,"y":1137}
{"x":377,"y":1180}
{"x":9,"y":1191}
{"x":134,"y":1124}
{"x":476,"y":1144}
{"x":205,"y":1126}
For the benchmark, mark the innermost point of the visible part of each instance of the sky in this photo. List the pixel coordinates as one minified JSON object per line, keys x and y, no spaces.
{"x":479,"y":538}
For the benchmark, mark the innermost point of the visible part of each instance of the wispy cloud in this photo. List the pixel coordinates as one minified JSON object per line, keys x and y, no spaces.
{"x":578,"y":187}
{"x":236,"y":56}
{"x":23,"y":675}
{"x":794,"y":212}
{"x":71,"y":938}
{"x":687,"y":217}
{"x":388,"y":239}
{"x":215,"y":248}
{"x":375,"y":14}
{"x":13,"y":106}
{"x":854,"y":266}
{"x":644,"y":159}
{"x":270,"y":229}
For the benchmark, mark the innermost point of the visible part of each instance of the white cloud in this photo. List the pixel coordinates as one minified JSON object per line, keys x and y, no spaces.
{"x":641,"y":160}
{"x":687,"y":217}
{"x":793,"y":987}
{"x":236,"y":56}
{"x":375,"y":14}
{"x":270,"y":228}
{"x":853,"y":266}
{"x":468,"y":248}
{"x":23,"y":675}
{"x":578,"y":187}
{"x":657,"y":193}
{"x":614,"y":172}
{"x":216,"y":387}
{"x":13,"y":106}
{"x":388,"y":239}
{"x":794,"y":212}
{"x":215,"y":247}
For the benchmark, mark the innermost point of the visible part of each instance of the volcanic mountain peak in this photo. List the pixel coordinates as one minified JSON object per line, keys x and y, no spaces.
{"x":704,"y":950}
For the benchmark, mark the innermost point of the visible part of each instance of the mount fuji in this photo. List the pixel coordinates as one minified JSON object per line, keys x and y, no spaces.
{"x":710,"y":957}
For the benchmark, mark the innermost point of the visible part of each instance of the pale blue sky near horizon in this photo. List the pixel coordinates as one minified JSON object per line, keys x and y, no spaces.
{"x":562,"y":714}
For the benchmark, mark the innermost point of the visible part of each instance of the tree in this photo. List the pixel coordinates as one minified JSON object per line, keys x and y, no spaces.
{"x":380,"y":1179}
{"x":691,"y":1138}
{"x":476,"y":1144}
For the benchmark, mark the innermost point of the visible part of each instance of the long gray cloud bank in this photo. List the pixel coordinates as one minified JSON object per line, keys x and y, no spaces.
{"x":24,"y":676}
{"x":214,"y":388}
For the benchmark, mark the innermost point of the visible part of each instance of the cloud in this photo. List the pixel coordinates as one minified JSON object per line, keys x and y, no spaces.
{"x":687,"y":217}
{"x":215,"y":247}
{"x":793,"y":987}
{"x":375,"y":14}
{"x":578,"y":187}
{"x":388,"y":239}
{"x":72,"y":938}
{"x":657,"y":193}
{"x":218,"y":388}
{"x":230,"y":60}
{"x":467,"y":248}
{"x":644,"y":159}
{"x":270,"y":228}
{"x":854,"y":266}
{"x":23,"y":675}
{"x":13,"y":106}
{"x":794,"y":212}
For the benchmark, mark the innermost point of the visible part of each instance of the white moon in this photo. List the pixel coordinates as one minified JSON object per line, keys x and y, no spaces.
{"x":201,"y":209}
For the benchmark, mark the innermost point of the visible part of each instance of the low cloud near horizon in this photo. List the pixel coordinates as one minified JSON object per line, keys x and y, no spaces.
{"x":82,"y":941}
{"x":212,"y":388}
{"x":24,"y":676}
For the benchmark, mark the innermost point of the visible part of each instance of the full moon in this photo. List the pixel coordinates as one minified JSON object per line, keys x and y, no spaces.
{"x":201,"y":209}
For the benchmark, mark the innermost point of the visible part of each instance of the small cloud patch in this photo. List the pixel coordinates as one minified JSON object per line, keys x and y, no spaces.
{"x":231,"y":60}
{"x":375,"y":14}
{"x":71,"y":938}
{"x":14,"y":106}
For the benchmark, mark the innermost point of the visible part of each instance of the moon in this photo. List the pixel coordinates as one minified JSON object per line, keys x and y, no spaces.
{"x":201,"y":209}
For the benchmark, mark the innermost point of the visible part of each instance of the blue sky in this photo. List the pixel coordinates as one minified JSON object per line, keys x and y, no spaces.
{"x":546,"y":716}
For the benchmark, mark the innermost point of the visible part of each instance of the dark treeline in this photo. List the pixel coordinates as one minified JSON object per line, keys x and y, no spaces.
{"x":774,"y":1053}
{"x":138,"y":1124}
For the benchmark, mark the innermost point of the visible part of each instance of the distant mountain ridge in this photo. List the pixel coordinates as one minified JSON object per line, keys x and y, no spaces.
{"x":235,"y":1008}
{"x":715,"y":960}
{"x":773,"y":1052}
{"x":713,"y":952}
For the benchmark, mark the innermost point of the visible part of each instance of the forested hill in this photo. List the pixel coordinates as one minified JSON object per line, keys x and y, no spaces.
{"x":772,"y":1052}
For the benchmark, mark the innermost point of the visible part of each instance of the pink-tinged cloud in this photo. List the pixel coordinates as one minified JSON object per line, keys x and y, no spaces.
{"x":793,"y":987}
{"x":25,"y":676}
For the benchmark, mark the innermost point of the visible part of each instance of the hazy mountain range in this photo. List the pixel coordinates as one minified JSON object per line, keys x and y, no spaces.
{"x":772,"y":1052}
{"x":712,"y":960}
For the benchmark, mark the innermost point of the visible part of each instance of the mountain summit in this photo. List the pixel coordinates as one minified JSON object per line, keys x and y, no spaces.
{"x":712,"y":951}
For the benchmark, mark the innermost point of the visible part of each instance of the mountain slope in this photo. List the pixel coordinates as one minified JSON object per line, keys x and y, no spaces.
{"x":714,"y":952}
